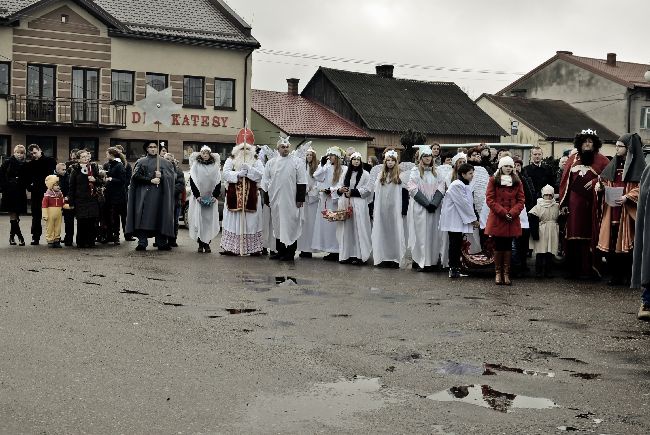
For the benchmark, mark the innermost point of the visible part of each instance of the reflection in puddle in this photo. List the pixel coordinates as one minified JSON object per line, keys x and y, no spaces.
{"x":487,"y":397}
{"x":587,"y":376}
{"x":502,"y":368}
{"x":487,"y":369}
{"x":325,"y":403}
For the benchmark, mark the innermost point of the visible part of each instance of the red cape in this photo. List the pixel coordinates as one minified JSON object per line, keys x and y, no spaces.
{"x":599,"y":164}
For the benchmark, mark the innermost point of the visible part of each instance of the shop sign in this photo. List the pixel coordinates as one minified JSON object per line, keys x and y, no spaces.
{"x":182,"y":120}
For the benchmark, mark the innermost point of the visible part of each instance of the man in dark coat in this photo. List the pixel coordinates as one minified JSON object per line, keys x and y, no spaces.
{"x":150,"y":211}
{"x":38,"y":168}
{"x":129,"y":174}
{"x":539,"y":172}
{"x":641,"y":262}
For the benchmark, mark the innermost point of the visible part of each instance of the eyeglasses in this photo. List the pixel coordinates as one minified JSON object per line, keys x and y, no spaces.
{"x":621,"y":145}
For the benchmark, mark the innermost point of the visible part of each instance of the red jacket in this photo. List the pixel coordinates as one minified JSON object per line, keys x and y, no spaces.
{"x":503,"y":200}
{"x":52,"y":201}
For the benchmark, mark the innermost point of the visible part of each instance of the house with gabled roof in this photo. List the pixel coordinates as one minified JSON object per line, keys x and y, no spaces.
{"x":386,"y":107}
{"x":612,"y":92}
{"x":549,"y":124}
{"x":289,"y":114}
{"x":72,"y":72}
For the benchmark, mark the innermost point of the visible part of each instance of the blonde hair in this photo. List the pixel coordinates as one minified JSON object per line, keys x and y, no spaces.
{"x":337,"y":170}
{"x":432,"y":166}
{"x":390,"y":175}
{"x":314,"y":163}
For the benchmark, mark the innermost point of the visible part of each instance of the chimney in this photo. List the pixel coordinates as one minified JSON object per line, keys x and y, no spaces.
{"x":570,"y":53}
{"x":292,"y":86}
{"x":611,"y":59}
{"x":385,"y":71}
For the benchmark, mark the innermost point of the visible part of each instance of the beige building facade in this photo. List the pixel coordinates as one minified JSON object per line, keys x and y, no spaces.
{"x":76,"y":73}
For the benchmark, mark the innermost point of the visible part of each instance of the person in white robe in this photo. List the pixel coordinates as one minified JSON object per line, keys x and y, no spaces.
{"x":353,"y":234}
{"x":265,"y":154}
{"x":328,"y":175}
{"x":391,"y":205}
{"x":286,"y":182}
{"x":425,"y":240}
{"x":242,"y":213}
{"x":458,"y":215}
{"x":310,"y":207}
{"x":205,"y":184}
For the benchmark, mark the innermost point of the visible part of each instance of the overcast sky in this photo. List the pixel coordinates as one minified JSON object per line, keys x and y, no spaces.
{"x":511,"y":36}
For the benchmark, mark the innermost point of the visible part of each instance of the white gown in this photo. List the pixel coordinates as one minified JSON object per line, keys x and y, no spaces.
{"x":204,"y":221}
{"x":311,"y":214}
{"x":281,"y":177}
{"x":388,"y":240}
{"x":230,"y":239}
{"x":425,"y":239}
{"x":353,"y":234}
{"x":325,"y":231}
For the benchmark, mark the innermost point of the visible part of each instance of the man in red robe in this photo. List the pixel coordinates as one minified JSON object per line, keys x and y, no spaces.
{"x":577,"y":201}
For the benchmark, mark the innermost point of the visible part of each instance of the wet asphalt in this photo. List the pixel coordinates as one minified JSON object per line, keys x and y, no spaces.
{"x":109,"y":341}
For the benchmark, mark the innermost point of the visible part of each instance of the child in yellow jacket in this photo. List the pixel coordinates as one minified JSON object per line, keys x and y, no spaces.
{"x":52,"y":207}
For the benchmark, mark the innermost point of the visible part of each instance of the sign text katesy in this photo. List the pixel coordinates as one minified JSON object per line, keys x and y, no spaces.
{"x":187,"y":120}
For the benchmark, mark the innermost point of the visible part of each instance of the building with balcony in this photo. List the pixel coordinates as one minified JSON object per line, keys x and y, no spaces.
{"x":72,"y":71}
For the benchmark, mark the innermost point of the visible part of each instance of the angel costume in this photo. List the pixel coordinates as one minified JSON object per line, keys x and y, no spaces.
{"x":268,"y":241}
{"x":242,"y":173}
{"x":324,"y":231}
{"x":391,"y":204}
{"x":311,"y":214}
{"x":286,"y":183}
{"x":425,"y":240}
{"x":353,"y":234}
{"x":545,"y":232}
{"x":203,"y":212}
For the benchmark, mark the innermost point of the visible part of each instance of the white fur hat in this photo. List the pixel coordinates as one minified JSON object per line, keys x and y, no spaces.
{"x":356,"y":155}
{"x":506,"y":161}
{"x":548,"y":190}
{"x":206,"y":148}
{"x":334,"y":151}
{"x":425,"y":150}
{"x":458,"y":157}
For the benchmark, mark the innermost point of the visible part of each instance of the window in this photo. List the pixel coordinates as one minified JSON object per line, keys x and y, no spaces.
{"x":5,"y":146}
{"x":5,"y":68}
{"x":645,"y":118}
{"x":122,"y":86}
{"x":224,"y":94}
{"x":193,"y":92}
{"x":90,"y":144}
{"x":134,"y":148}
{"x":157,"y":81}
{"x":85,"y":95}
{"x":222,"y":148}
{"x":40,"y":93}
{"x":46,"y":143}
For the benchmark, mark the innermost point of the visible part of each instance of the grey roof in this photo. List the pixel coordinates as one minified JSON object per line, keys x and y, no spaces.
{"x":396,"y":105}
{"x":552,"y":119}
{"x":210,"y":21}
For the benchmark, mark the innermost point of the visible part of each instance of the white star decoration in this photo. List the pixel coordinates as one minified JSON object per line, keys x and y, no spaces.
{"x":158,"y":106}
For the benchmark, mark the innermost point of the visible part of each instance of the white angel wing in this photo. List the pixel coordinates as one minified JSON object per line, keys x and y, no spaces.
{"x":301,"y":151}
{"x":444,"y":171}
{"x":405,"y":171}
{"x":374,"y":172}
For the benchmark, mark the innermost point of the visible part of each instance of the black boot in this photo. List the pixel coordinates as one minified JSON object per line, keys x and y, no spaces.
{"x":206,"y":248}
{"x":12,"y":233}
{"x":539,"y":265}
{"x":548,"y":263}
{"x":19,"y":234}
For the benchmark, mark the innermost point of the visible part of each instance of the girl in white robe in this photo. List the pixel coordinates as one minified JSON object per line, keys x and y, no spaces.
{"x":391,"y":204}
{"x":203,"y":212}
{"x":458,"y":215}
{"x":310,"y":207}
{"x":328,"y":175}
{"x":425,"y":240}
{"x":242,"y":165}
{"x":353,"y":234}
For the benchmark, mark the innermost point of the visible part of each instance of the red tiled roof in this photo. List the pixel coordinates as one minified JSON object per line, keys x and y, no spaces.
{"x":298,"y":116}
{"x":625,"y":73}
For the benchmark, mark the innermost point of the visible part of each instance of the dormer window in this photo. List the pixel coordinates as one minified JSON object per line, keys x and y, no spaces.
{"x":64,"y":18}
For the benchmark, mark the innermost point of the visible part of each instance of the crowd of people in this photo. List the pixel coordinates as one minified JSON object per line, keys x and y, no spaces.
{"x":444,"y":210}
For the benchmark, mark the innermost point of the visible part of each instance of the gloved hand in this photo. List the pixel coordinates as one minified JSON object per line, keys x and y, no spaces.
{"x":323,"y":160}
{"x":242,"y":173}
{"x":244,"y":167}
{"x":431,"y":208}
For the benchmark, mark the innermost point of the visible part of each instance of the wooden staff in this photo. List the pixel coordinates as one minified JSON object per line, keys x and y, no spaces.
{"x":158,"y":154}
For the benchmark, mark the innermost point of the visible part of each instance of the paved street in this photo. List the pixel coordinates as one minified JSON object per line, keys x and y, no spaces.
{"x":112,"y":341}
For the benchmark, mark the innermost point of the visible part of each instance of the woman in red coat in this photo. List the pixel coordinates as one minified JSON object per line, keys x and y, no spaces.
{"x":505,"y":198}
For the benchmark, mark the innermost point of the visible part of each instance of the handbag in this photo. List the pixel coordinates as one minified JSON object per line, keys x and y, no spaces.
{"x":337,"y":215}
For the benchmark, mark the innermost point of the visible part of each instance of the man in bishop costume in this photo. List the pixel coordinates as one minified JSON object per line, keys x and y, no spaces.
{"x":286,"y":180}
{"x":241,"y":228}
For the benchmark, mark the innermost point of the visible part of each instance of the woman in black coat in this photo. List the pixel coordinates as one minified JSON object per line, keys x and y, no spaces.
{"x":14,"y":180}
{"x":83,"y":197}
{"x":115,"y":193}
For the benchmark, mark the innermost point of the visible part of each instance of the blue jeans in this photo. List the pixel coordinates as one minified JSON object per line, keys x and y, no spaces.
{"x":645,"y":298}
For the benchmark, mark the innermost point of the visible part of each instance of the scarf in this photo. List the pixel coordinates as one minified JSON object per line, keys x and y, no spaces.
{"x":52,"y":194}
{"x":506,"y":180}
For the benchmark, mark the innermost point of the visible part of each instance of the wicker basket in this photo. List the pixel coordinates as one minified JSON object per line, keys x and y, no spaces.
{"x":337,"y":215}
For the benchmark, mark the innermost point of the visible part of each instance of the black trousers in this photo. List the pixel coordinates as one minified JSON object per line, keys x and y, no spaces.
{"x":503,"y":244}
{"x":68,"y":220}
{"x":37,"y":214}
{"x":86,"y":232}
{"x":455,"y":246}
{"x":285,"y":251}
{"x":112,"y":216}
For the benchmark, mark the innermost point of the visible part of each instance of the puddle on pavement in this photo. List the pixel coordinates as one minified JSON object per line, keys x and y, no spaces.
{"x":241,"y":310}
{"x":387,"y":296}
{"x":282,"y":301}
{"x":92,"y":283}
{"x":487,"y":369}
{"x":487,"y":397}
{"x":173,"y":304}
{"x":331,"y":404}
{"x":134,"y":292}
{"x":575,"y":360}
{"x":586,"y":376}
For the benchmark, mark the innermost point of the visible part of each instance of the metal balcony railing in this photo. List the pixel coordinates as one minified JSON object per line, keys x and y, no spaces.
{"x":66,"y":112}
